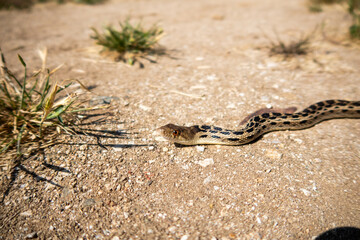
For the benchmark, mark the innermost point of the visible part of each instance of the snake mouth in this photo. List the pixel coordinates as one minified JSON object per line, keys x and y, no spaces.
{"x":159,"y":136}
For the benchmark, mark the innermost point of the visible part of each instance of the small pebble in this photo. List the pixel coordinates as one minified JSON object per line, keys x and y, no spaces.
{"x":200,"y":148}
{"x":185,"y":237}
{"x":32,"y":235}
{"x":273,"y":154}
{"x":172,"y":229}
{"x":207,"y":180}
{"x":89,"y":202}
{"x":145,"y":108}
{"x":306,"y":192}
{"x":26,"y":214}
{"x":206,"y":162}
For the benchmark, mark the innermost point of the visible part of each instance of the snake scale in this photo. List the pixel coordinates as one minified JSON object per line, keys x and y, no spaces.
{"x":259,"y":124}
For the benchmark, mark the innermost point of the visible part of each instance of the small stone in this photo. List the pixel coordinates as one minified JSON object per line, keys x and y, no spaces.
{"x":108,"y":186}
{"x":200,"y":148}
{"x":185,"y":237}
{"x":151,"y":148}
{"x":206,"y":162}
{"x":172,"y":229}
{"x":32,"y":235}
{"x":115,"y":238}
{"x":231,"y":106}
{"x":306,"y":192}
{"x":165,"y":149}
{"x":207,"y":180}
{"x":211,"y":77}
{"x":101,"y":100}
{"x":28,"y":213}
{"x":273,"y":154}
{"x":83,"y":147}
{"x":145,"y":108}
{"x":89,"y":202}
{"x":65,"y":192}
{"x":232,"y":235}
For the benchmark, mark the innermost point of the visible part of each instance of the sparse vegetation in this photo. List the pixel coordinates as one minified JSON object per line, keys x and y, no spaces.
{"x":130,"y":42}
{"x":33,"y":110}
{"x":314,"y":7}
{"x":325,"y":1}
{"x":21,"y":4}
{"x":353,"y":7}
{"x":293,"y":48}
{"x":89,"y":2}
{"x":354,"y":10}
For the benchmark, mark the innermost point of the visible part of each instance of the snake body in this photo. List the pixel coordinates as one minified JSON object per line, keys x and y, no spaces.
{"x":260,"y":124}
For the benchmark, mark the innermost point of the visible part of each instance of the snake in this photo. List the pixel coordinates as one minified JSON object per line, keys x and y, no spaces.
{"x":260,"y":123}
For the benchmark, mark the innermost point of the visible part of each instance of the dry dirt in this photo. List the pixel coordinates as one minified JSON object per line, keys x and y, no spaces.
{"x":120,"y":184}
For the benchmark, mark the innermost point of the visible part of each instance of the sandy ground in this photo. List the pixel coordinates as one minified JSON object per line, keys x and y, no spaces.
{"x":121,"y":184}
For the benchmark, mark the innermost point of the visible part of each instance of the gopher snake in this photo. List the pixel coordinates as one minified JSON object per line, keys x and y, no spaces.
{"x":260,"y":123}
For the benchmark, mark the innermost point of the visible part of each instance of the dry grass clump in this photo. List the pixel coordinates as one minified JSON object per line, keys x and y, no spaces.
{"x":33,"y":110}
{"x":296,"y":47}
{"x":130,"y":42}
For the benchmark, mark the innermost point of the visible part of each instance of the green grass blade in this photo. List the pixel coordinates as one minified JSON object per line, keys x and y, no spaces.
{"x":22,"y":60}
{"x":19,"y":139}
{"x":43,"y":94}
{"x":24,"y":87}
{"x":57,"y":112}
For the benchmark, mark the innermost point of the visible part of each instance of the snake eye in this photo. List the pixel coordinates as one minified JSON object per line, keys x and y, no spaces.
{"x":175,"y":133}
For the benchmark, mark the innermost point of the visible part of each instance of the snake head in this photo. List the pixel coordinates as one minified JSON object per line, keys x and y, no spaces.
{"x":176,"y":134}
